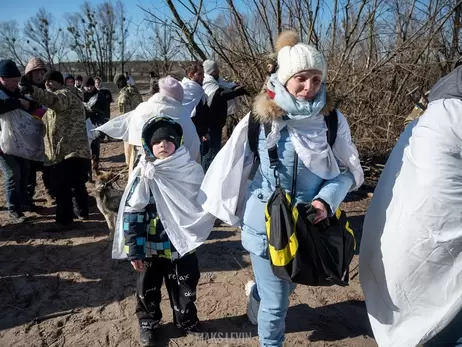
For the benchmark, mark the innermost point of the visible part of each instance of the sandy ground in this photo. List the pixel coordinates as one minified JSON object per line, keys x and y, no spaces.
{"x":61,"y":288}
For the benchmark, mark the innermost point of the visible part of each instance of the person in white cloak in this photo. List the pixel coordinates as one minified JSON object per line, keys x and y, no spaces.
{"x":217,"y":100}
{"x":295,"y":107}
{"x":160,"y":224}
{"x":411,"y":248}
{"x":128,"y":126}
{"x":195,"y":99}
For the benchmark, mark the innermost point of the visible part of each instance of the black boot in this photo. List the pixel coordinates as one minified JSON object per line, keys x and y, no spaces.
{"x":148,"y":334}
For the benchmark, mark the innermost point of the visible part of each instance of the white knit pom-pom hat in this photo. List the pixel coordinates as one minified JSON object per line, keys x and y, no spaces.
{"x":294,"y":57}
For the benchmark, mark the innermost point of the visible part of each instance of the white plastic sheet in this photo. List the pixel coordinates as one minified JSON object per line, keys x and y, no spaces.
{"x":174,"y":183}
{"x":411,"y":249}
{"x":128,"y":126}
{"x":21,"y":134}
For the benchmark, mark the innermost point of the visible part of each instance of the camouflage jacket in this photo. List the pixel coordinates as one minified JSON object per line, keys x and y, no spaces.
{"x":129,"y":99}
{"x":66,"y":132}
{"x":418,"y":110}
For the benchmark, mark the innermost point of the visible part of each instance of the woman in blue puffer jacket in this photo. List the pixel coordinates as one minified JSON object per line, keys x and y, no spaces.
{"x":295,"y":105}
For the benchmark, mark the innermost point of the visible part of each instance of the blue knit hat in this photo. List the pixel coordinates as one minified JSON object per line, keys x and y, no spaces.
{"x":8,"y":69}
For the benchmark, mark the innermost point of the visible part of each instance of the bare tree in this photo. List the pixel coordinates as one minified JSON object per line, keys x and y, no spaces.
{"x":378,"y":51}
{"x":99,"y":37}
{"x":45,"y":39}
{"x":124,"y":53}
{"x":12,"y":43}
{"x":160,"y":47}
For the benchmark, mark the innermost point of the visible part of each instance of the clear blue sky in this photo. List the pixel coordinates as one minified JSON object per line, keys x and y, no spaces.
{"x":24,"y":9}
{"x":21,"y":10}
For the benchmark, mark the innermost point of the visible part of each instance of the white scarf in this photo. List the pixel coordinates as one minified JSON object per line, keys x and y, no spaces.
{"x":307,"y":132}
{"x":193,"y":95}
{"x":310,"y":142}
{"x":210,"y":86}
{"x":174,"y":183}
{"x":225,"y":185}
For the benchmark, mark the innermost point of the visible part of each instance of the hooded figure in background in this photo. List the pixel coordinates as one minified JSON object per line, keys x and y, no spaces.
{"x":35,"y":71}
{"x":411,"y":248}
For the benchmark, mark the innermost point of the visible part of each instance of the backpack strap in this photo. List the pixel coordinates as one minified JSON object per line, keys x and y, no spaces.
{"x":253,"y":132}
{"x":273,"y":151}
{"x":332,"y":126}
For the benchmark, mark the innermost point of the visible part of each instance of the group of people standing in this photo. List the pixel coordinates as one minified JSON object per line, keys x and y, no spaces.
{"x":62,"y":108}
{"x":410,"y":256}
{"x":411,"y":248}
{"x":160,"y":223}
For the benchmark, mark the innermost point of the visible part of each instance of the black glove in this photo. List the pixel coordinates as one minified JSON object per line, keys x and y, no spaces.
{"x":308,"y":213}
{"x":25,"y":86}
{"x":33,"y":105}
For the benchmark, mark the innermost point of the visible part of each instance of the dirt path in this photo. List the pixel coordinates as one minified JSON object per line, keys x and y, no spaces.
{"x":61,"y":288}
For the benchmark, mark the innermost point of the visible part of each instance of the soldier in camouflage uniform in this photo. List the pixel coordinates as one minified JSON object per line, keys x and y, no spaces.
{"x":66,"y":144}
{"x":129,"y":98}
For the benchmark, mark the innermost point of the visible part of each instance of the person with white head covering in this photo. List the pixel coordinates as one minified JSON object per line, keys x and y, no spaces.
{"x":217,"y":100}
{"x":195,"y":99}
{"x":295,"y":106}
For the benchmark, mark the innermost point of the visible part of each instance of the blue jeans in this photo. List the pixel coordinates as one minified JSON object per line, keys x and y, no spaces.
{"x":273,"y":294}
{"x":16,"y":175}
{"x":450,"y":336}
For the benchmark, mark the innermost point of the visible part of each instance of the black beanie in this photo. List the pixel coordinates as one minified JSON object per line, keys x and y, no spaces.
{"x":168,"y":133}
{"x":88,"y":81}
{"x":53,"y":75}
{"x":8,"y":69}
{"x":79,"y":78}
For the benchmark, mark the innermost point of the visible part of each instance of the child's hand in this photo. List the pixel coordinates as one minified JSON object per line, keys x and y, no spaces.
{"x":138,"y":265}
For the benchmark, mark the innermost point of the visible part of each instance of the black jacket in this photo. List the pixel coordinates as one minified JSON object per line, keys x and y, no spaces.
{"x":95,"y":104}
{"x":218,"y":105}
{"x":108,"y":101}
{"x":12,"y":102}
{"x":201,"y":119}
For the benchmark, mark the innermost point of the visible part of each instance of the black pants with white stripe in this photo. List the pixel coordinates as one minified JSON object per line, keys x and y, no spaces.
{"x":181,"y":279}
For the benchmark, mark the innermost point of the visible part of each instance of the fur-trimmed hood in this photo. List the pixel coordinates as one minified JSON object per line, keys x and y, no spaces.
{"x":266,"y":109}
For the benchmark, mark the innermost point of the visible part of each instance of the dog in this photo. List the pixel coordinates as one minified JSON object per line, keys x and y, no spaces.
{"x":108,"y":199}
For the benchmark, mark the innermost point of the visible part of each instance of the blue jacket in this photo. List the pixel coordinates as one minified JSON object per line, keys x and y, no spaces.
{"x":309,"y":185}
